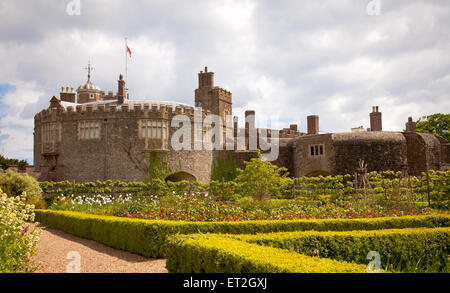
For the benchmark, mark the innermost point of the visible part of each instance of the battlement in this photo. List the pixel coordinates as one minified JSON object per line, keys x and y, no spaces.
{"x":104,"y":111}
{"x":223,"y":94}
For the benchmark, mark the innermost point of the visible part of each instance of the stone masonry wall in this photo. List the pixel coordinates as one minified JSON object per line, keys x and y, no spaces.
{"x":305,"y":164}
{"x":381,"y":151}
{"x":120,"y":154}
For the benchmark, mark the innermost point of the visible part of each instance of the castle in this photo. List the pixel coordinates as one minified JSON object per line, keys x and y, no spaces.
{"x":89,"y":135}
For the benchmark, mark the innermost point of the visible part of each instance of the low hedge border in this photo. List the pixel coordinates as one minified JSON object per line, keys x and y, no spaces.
{"x":407,"y":250}
{"x":216,"y":254}
{"x":148,"y":237}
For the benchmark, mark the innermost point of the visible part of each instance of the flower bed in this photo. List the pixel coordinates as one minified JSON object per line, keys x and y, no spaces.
{"x":18,"y":238}
{"x":197,"y":207}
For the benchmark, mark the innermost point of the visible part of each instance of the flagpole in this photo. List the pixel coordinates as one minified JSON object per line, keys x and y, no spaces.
{"x":126,"y":63}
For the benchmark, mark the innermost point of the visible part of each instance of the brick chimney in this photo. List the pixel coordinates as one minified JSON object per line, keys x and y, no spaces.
{"x":375,"y":120}
{"x":67,"y":95}
{"x":313,"y":124}
{"x":250,"y":129}
{"x":410,"y":125}
{"x":121,"y":93}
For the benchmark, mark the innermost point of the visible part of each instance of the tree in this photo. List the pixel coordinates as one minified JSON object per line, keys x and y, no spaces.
{"x":5,"y":163}
{"x":437,"y":124}
{"x":261,"y":179}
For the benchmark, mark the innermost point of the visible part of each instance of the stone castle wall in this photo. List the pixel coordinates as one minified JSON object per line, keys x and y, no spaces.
{"x":118,"y":152}
{"x":306,"y":164}
{"x":423,"y":152}
{"x":382,"y":151}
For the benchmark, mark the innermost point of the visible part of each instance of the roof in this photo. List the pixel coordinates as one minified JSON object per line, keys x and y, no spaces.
{"x":88,"y":86}
{"x":374,"y":136}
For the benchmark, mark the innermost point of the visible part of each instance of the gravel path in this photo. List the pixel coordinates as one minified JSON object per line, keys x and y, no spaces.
{"x":58,"y":250}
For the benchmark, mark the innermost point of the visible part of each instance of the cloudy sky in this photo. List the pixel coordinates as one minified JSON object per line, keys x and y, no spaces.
{"x":284,"y":59}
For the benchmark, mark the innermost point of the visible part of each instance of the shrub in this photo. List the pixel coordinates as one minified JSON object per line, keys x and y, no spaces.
{"x":18,"y":239}
{"x":409,"y":249}
{"x":15,"y":184}
{"x":215,"y":254}
{"x":261,"y":179}
{"x":148,"y":237}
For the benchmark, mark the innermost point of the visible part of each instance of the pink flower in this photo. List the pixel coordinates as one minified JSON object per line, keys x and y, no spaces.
{"x":25,"y":230}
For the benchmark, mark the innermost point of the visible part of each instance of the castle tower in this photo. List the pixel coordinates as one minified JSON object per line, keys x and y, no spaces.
{"x":209,"y":97}
{"x":410,"y":125}
{"x":313,"y":124}
{"x":375,"y":120}
{"x":88,"y":92}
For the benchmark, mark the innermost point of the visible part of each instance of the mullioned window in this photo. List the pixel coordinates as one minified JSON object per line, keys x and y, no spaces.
{"x":89,"y":129}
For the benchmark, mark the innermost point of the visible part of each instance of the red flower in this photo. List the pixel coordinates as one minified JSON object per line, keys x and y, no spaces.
{"x":129,"y":216}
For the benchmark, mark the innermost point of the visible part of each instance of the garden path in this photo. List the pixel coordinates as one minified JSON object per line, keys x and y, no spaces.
{"x":58,"y":252}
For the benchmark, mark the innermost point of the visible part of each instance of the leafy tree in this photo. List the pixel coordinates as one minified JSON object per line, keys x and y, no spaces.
{"x":261,"y":179}
{"x":437,"y":124}
{"x":5,"y":163}
{"x":224,"y":168}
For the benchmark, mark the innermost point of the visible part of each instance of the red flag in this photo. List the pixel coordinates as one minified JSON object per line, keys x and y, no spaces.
{"x":128,"y":50}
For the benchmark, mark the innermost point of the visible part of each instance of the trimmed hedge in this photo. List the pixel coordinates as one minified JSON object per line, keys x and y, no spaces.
{"x":408,"y":250}
{"x":148,"y":237}
{"x":216,"y":254}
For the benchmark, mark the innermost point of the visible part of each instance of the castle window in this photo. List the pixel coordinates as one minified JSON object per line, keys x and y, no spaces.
{"x":316,"y":150}
{"x":89,"y":129}
{"x":51,"y":132}
{"x":154,"y":129}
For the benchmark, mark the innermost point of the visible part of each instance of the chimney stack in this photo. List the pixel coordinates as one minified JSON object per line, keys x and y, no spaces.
{"x":67,"y":95}
{"x":121,"y":93}
{"x":205,"y":79}
{"x":313,"y":124}
{"x":375,"y":120}
{"x":410,"y":125}
{"x":250,"y":130}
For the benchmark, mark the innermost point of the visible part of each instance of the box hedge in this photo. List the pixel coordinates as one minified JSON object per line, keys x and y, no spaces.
{"x":408,"y":250}
{"x":216,"y":254}
{"x":148,"y":237}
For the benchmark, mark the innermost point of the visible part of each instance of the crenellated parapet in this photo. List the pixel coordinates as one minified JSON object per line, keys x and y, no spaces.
{"x":114,"y":111}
